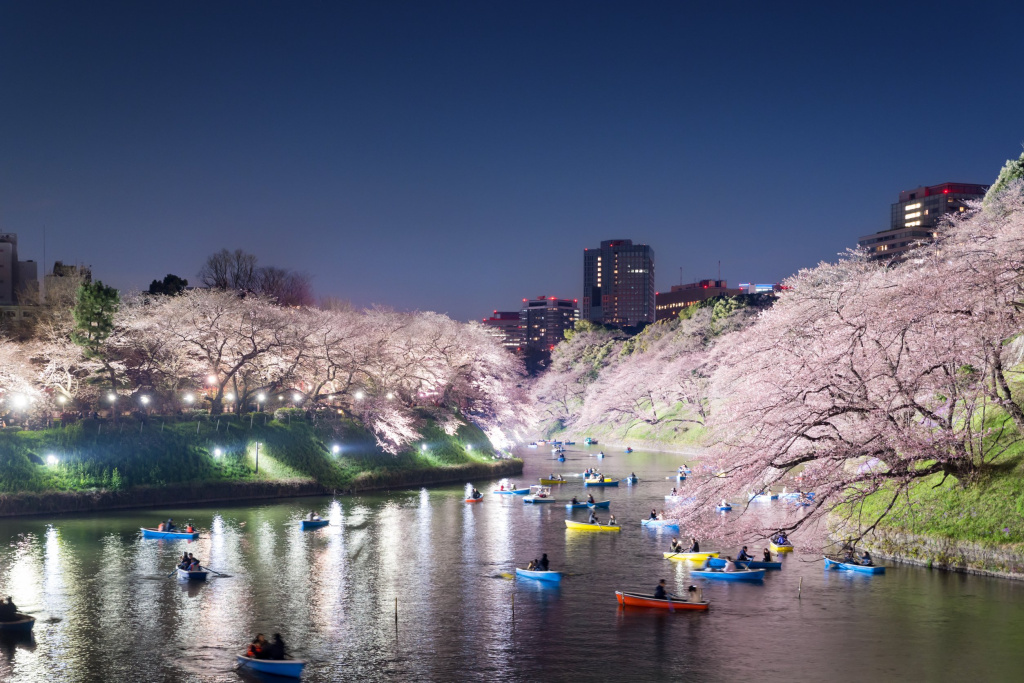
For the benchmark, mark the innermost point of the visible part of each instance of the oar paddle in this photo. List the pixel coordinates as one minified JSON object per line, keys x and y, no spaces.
{"x":214,"y":571}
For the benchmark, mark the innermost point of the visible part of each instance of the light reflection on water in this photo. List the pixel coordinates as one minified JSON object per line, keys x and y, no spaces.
{"x":108,"y":612}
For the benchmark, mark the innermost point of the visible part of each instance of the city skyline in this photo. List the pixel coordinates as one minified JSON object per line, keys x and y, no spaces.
{"x":456,"y":158}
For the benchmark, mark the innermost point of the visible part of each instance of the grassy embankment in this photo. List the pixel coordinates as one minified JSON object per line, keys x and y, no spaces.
{"x":168,"y":453}
{"x":975,"y":524}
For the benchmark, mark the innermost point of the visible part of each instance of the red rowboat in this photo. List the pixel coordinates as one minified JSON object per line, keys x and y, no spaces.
{"x":637,"y":600}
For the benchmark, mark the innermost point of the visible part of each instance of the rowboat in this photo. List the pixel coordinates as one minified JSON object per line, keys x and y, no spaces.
{"x":680,"y":477}
{"x":553,"y":482}
{"x":22,"y":625}
{"x":153,"y":533}
{"x":289,"y":668}
{"x":531,"y":445}
{"x":568,"y":443}
{"x":539,"y":494}
{"x":590,"y":442}
{"x":631,"y":480}
{"x":762,"y":497}
{"x":661,"y":523}
{"x":740,"y":575}
{"x":719,"y":563}
{"x":550,"y":577}
{"x":605,"y":504}
{"x":629,"y":450}
{"x":637,"y":600}
{"x":787,"y":548}
{"x":863,"y":569}
{"x":511,"y":492}
{"x":186,"y":575}
{"x":561,"y":458}
{"x":607,"y":481}
{"x":725,"y":508}
{"x":475,"y":500}
{"x":691,"y":557}
{"x":313,"y":524}
{"x":581,"y":526}
{"x":797,"y":495}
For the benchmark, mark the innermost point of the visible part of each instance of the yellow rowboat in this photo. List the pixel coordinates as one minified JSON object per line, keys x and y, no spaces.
{"x":552,"y":482}
{"x":691,"y":557}
{"x":780,"y":548}
{"x":591,"y":527}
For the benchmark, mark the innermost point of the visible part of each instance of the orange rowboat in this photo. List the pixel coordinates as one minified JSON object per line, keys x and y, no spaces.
{"x":637,"y":600}
{"x":475,"y":500}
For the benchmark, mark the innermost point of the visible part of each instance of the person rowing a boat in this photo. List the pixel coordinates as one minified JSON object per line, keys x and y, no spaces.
{"x":185,"y":562}
{"x":694,"y":545}
{"x":676,"y":546}
{"x":476,"y":495}
{"x":675,"y":492}
{"x":532,"y":567}
{"x":590,"y":499}
{"x":659,"y":591}
{"x":730,"y":566}
{"x":574,"y":501}
{"x":743,"y":556}
{"x":543,"y":564}
{"x":258,"y":648}
{"x":593,"y":518}
{"x":780,"y":539}
{"x":865,"y":559}
{"x":276,"y":648}
{"x":654,"y":514}
{"x":8,"y":610}
{"x":169,"y":524}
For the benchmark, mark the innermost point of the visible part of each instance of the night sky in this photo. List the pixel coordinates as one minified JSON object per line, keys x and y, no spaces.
{"x":458,"y":157}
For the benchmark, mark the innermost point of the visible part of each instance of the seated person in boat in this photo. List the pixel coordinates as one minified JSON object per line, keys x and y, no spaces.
{"x":543,"y":564}
{"x":865,"y":559}
{"x":574,"y":501}
{"x":611,"y":520}
{"x":590,"y":499}
{"x":189,"y":529}
{"x":160,"y":526}
{"x":276,"y":648}
{"x":259,"y":647}
{"x":848,"y":554}
{"x":767,"y":556}
{"x":532,"y":566}
{"x":8,"y":610}
{"x":730,"y":566}
{"x":654,"y":514}
{"x":780,"y":539}
{"x":193,"y":562}
{"x":676,"y":546}
{"x":593,"y":518}
{"x":659,"y":591}
{"x":476,"y":494}
{"x":724,"y":503}
{"x":694,"y":594}
{"x":169,"y":525}
{"x":675,"y":491}
{"x":185,"y":562}
{"x":743,"y":555}
{"x":694,"y":545}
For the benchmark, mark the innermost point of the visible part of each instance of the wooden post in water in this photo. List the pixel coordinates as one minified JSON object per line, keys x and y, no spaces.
{"x":513,"y":606}
{"x":800,"y":588}
{"x":396,"y":614}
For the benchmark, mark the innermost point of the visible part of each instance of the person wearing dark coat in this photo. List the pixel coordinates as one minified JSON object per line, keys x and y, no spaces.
{"x":276,"y":648}
{"x":544,"y":562}
{"x":659,"y":592}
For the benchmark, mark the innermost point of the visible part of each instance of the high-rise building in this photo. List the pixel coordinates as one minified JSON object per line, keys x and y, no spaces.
{"x":544,"y":320}
{"x":668,"y":304}
{"x":19,"y":280}
{"x":504,"y":325}
{"x":916,"y":215}
{"x":618,"y":283}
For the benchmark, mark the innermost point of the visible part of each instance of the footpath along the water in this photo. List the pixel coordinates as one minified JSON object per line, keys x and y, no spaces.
{"x":59,"y":502}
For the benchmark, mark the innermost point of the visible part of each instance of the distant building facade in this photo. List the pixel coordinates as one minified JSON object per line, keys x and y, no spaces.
{"x":618,"y":284}
{"x":19,"y":280}
{"x":914,"y":218}
{"x":543,"y":321}
{"x":668,"y":304}
{"x":504,"y":326}
{"x":60,"y":271}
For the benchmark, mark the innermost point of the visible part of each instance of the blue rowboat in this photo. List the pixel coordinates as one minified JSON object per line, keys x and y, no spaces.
{"x":561,"y":458}
{"x":153,"y":533}
{"x":661,"y":523}
{"x":601,"y":483}
{"x":741,"y":575}
{"x":550,"y":577}
{"x":315,"y":524}
{"x":568,"y":443}
{"x":725,"y":508}
{"x":631,"y":480}
{"x":796,"y":495}
{"x":603,"y":504}
{"x":290,"y":668}
{"x":24,"y":624}
{"x":719,"y":563}
{"x":511,"y":492}
{"x":763,"y":497}
{"x":847,"y":566}
{"x":186,"y":575}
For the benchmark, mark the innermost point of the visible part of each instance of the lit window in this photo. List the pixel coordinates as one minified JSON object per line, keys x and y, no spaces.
{"x":911,"y":207}
{"x":882,"y":247}
{"x":913,"y":215}
{"x":912,"y":224}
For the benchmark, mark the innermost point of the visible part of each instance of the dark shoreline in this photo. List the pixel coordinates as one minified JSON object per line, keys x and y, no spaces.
{"x":74,"y":502}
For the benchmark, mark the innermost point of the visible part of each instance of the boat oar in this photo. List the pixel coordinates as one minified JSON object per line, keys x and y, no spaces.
{"x":214,"y":571}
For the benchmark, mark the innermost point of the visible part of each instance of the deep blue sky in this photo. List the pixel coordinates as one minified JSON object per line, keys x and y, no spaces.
{"x":459,"y":156}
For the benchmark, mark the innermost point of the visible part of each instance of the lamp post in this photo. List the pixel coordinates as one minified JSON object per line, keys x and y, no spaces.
{"x":260,"y":398}
{"x":257,"y":457}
